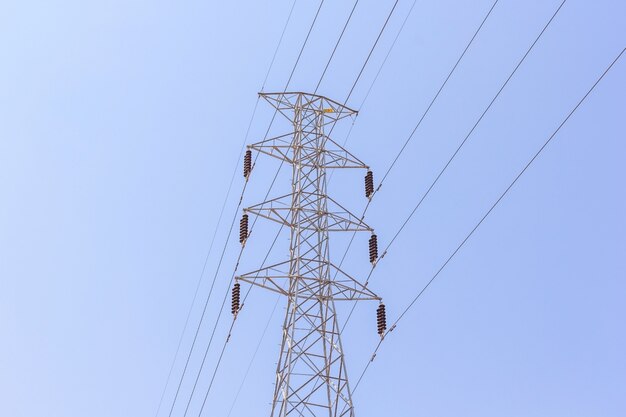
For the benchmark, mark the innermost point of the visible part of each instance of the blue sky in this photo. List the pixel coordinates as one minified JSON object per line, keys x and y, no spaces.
{"x":121,"y":125}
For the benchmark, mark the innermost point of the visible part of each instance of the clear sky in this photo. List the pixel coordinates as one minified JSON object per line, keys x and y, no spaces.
{"x":121,"y":122}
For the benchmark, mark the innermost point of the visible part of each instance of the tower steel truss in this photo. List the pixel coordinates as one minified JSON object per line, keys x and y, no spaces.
{"x":311,"y":376}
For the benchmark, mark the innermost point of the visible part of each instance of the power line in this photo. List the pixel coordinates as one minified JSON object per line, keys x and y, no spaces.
{"x":432,"y":185}
{"x":451,"y":158}
{"x":336,"y":46}
{"x":393,"y":44}
{"x":217,"y":227}
{"x":280,"y":41}
{"x":221,"y":309}
{"x":421,"y":119}
{"x":219,"y":220}
{"x":256,"y":351}
{"x":369,"y":55}
{"x":227,"y":291}
{"x":380,"y":68}
{"x":493,"y":206}
{"x":305,"y":42}
{"x":218,"y":319}
{"x":206,"y":304}
{"x":410,"y":137}
{"x":445,"y":167}
{"x":224,"y":303}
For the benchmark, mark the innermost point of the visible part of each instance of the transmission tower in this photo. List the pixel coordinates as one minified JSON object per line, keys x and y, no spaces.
{"x":311,"y":376}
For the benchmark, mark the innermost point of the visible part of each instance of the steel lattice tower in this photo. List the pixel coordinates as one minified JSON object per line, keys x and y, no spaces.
{"x":311,"y":376}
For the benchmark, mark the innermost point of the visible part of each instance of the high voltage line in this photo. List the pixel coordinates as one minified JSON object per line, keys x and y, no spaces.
{"x":380,"y":33}
{"x":493,"y":206}
{"x":460,"y":146}
{"x":228,"y":239}
{"x":369,"y":90}
{"x":345,"y":26}
{"x":493,"y":100}
{"x":410,"y":137}
{"x":219,"y":220}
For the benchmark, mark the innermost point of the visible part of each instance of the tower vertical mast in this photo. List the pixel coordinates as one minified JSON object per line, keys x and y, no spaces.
{"x":311,"y":376}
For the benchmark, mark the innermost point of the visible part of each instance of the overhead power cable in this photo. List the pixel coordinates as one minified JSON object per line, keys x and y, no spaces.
{"x":305,"y":42}
{"x":393,"y":44}
{"x":219,"y":220}
{"x":410,"y":137}
{"x":280,"y":41}
{"x":458,"y":149}
{"x":254,"y":355}
{"x":445,"y":81}
{"x":221,"y":309}
{"x":493,"y":206}
{"x":380,"y":68}
{"x":228,"y":287}
{"x":369,"y":55}
{"x":217,"y":226}
{"x":336,"y":46}
{"x":454,"y":154}
{"x":206,"y":352}
{"x":233,"y":274}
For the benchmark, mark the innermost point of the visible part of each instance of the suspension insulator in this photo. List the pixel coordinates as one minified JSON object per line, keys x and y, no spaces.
{"x":381,"y":317}
{"x":247,"y":163}
{"x":243,"y":228}
{"x":236,"y":294}
{"x":369,"y":184}
{"x":373,"y":249}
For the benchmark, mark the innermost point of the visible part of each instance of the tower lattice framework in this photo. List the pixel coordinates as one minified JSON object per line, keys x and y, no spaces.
{"x":311,"y":376}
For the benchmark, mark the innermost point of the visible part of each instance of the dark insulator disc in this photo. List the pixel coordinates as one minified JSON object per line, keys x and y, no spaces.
{"x":369,"y":184}
{"x":247,"y":163}
{"x":243,"y":228}
{"x":236,"y":294}
{"x":381,"y":316}
{"x":373,"y":245}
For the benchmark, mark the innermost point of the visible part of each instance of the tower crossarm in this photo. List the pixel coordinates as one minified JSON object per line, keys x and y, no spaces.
{"x":285,"y":102}
{"x":335,"y":155}
{"x":276,"y":278}
{"x":339,"y":219}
